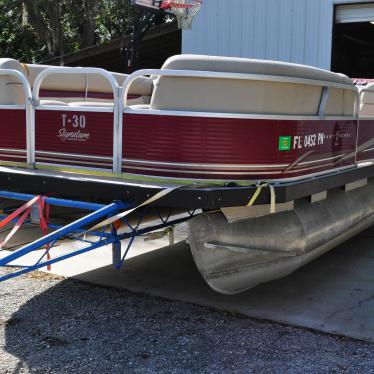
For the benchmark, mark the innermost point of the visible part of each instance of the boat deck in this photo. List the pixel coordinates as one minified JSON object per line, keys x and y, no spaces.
{"x":199,"y":196}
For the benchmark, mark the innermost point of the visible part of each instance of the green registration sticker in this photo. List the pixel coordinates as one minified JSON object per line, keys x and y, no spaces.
{"x":284,"y":143}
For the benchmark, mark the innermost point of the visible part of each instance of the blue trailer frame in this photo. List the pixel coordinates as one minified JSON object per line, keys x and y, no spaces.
{"x":78,"y":230}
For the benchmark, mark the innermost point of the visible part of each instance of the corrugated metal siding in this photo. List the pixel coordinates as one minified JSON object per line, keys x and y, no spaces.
{"x":287,"y":30}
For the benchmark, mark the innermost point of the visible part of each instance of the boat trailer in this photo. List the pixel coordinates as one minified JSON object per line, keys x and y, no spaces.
{"x":96,"y":229}
{"x":228,"y":226}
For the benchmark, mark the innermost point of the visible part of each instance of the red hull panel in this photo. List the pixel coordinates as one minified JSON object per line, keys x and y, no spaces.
{"x":13,"y":135}
{"x":235,"y":148}
{"x":365,"y":141}
{"x":72,"y":138}
{"x":190,"y":147}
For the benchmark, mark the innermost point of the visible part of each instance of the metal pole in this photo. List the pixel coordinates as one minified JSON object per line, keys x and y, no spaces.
{"x":116,"y":249}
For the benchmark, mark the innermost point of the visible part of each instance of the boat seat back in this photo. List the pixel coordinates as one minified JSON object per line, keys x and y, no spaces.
{"x":367,"y":102}
{"x":92,"y":103}
{"x":69,"y":88}
{"x":248,"y":96}
{"x":53,"y":102}
{"x":11,"y":90}
{"x":97,"y":87}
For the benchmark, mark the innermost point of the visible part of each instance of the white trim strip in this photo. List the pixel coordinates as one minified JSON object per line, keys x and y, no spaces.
{"x":239,"y":167}
{"x":13,"y":150}
{"x":321,"y":160}
{"x":12,"y":107}
{"x":73,"y":161}
{"x":367,"y":150}
{"x":12,"y":156}
{"x":362,"y":163}
{"x":198,"y":165}
{"x":181,"y":113}
{"x":74,"y":155}
{"x":316,"y":167}
{"x":66,"y":173}
{"x":203,"y":171}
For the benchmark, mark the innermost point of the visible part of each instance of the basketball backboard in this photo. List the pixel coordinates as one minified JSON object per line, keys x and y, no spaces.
{"x":153,"y":4}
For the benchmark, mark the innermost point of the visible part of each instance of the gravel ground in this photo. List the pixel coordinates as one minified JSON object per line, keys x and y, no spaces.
{"x":51,"y":325}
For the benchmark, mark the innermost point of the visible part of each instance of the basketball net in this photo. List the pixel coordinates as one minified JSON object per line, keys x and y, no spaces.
{"x":184,"y":11}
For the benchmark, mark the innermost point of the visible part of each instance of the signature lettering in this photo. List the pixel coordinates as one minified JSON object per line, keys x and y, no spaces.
{"x":76,"y":136}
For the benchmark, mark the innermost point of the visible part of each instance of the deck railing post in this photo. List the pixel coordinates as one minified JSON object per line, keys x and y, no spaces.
{"x":118,"y":167}
{"x":30,"y":118}
{"x":323,"y":101}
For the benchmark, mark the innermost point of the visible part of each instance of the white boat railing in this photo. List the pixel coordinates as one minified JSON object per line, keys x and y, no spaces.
{"x":116,"y":167}
{"x":326,"y":86}
{"x":120,"y":101}
{"x":365,"y":90}
{"x":28,"y":108}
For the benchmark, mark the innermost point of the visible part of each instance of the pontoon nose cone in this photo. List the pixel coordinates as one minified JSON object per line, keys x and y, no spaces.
{"x":233,"y":257}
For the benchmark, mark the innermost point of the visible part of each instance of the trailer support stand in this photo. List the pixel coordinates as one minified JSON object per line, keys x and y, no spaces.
{"x":116,"y":250}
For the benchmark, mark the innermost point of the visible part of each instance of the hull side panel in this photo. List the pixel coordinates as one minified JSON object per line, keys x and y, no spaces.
{"x":226,"y":148}
{"x":365,"y":140}
{"x":13,"y":135}
{"x":83,"y":139}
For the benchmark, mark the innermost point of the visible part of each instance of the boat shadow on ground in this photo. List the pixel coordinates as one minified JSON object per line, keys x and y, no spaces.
{"x":73,"y":326}
{"x":77,"y":326}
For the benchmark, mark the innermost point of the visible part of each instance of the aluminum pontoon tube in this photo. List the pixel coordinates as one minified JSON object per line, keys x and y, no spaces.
{"x":234,"y":257}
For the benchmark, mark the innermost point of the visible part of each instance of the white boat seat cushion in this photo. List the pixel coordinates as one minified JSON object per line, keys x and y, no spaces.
{"x":248,"y":96}
{"x":53,"y":102}
{"x":11,"y":91}
{"x":252,"y":66}
{"x":140,"y":106}
{"x":91,"y":104}
{"x":91,"y":82}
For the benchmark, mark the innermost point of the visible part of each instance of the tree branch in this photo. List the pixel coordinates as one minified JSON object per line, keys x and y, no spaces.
{"x":36,"y":20}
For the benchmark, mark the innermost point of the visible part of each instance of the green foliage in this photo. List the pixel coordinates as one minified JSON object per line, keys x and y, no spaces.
{"x":115,"y":18}
{"x":29,"y":30}
{"x":17,"y":40}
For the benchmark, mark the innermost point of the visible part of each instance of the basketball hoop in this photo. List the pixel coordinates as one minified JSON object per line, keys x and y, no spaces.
{"x":184,"y":11}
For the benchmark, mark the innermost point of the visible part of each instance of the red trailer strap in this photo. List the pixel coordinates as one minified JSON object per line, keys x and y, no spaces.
{"x":25,"y":210}
{"x":17,"y":212}
{"x":16,"y":227}
{"x":44,"y":218}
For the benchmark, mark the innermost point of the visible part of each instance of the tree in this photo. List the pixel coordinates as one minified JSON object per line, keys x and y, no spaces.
{"x":39,"y":29}
{"x":44,"y":18}
{"x":17,"y":39}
